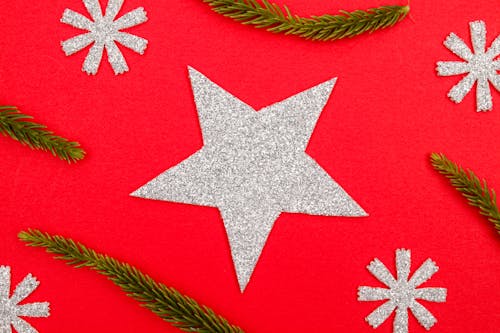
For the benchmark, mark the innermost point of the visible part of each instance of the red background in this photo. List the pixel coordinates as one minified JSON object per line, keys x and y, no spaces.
{"x":388,"y":111}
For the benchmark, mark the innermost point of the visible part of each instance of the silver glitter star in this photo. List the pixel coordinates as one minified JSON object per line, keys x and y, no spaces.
{"x":104,"y":32}
{"x":253,"y":166}
{"x":481,"y":66}
{"x":402,"y":293}
{"x":11,"y":310}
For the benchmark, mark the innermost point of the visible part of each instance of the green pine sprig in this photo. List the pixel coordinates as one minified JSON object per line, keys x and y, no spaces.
{"x":476,"y":191}
{"x":15,"y":124}
{"x":166,"y":302}
{"x":263,"y":14}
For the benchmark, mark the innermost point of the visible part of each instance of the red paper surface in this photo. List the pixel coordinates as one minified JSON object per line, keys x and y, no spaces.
{"x":388,"y":111}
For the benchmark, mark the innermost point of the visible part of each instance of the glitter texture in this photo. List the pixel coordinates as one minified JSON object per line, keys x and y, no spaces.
{"x":402,"y":294}
{"x":253,"y":166}
{"x":11,"y":311}
{"x":481,"y":66}
{"x":104,"y":32}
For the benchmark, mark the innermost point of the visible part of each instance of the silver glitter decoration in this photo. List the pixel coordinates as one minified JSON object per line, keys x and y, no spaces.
{"x":253,"y":166}
{"x":402,"y":294}
{"x":104,"y":32}
{"x":11,"y":310}
{"x":481,"y":66}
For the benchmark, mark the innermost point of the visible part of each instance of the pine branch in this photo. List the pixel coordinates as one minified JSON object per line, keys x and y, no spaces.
{"x":476,"y":191}
{"x":181,"y":311}
{"x":263,"y":14}
{"x":15,"y":124}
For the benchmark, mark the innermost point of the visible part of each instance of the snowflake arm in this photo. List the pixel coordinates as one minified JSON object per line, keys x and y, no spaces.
{"x":104,"y":32}
{"x":479,"y":64}
{"x":76,"y":20}
{"x":495,"y":78}
{"x":24,"y":289}
{"x":437,"y":295}
{"x":448,"y":68}
{"x":458,"y":92}
{"x":37,"y":309}
{"x":401,"y":320}
{"x":403,"y":262}
{"x":21,"y":325}
{"x":94,"y":9}
{"x":116,"y":58}
{"x":402,"y":294}
{"x":133,"y":42}
{"x":483,"y":94}
{"x":4,"y":282}
{"x":77,"y":43}
{"x":456,"y":45}
{"x":373,"y":294}
{"x":494,"y":50}
{"x":378,"y":269}
{"x":423,"y":273}
{"x":113,"y":8}
{"x":424,"y":317}
{"x":133,"y":18}
{"x":478,"y":36}
{"x":380,"y":314}
{"x":93,"y":59}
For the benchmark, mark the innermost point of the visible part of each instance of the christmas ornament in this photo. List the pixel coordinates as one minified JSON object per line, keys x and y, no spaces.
{"x":403,"y":293}
{"x":325,"y":27}
{"x":476,"y":191}
{"x":104,"y":32}
{"x":166,"y":302}
{"x":253,"y":166}
{"x":13,"y":123}
{"x":11,"y":310}
{"x":481,"y":66}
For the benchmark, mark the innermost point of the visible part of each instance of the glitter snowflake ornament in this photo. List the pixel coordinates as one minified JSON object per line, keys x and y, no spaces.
{"x":104,"y":32}
{"x":11,"y":310}
{"x":402,"y":294}
{"x":481,"y":66}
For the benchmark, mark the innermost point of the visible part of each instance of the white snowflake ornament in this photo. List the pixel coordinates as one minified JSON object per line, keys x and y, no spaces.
{"x":11,"y":310}
{"x":104,"y":32}
{"x":481,"y":66}
{"x":402,"y":294}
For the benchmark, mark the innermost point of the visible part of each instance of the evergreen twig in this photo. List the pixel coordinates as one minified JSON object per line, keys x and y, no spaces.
{"x":15,"y":124}
{"x":263,"y":14}
{"x":166,"y":302}
{"x":476,"y":191}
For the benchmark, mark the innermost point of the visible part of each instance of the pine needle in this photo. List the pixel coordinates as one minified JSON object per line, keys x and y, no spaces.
{"x":263,"y":14}
{"x":476,"y":191}
{"x":15,"y":124}
{"x":166,"y":302}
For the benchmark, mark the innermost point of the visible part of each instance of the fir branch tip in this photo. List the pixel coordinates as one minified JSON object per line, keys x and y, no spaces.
{"x":475,"y":190}
{"x":166,"y":302}
{"x":18,"y":126}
